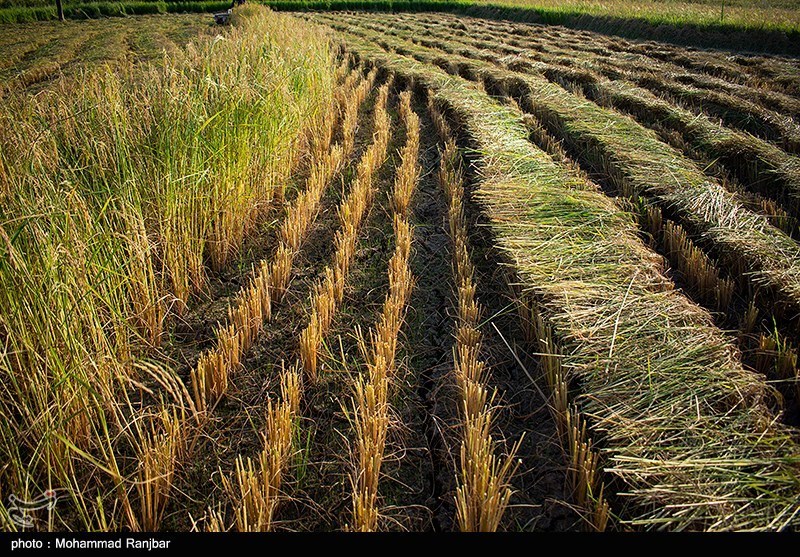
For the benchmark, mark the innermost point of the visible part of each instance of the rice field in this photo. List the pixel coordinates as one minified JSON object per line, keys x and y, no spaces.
{"x":36,"y":54}
{"x":356,"y":271}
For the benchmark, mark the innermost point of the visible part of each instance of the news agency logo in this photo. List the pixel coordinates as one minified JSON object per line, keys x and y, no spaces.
{"x":21,"y":511}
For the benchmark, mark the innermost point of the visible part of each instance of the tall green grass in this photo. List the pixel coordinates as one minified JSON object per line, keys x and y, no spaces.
{"x":119,"y":190}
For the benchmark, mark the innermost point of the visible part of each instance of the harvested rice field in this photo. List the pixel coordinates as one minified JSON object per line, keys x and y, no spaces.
{"x":36,"y":54}
{"x":359,"y":271}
